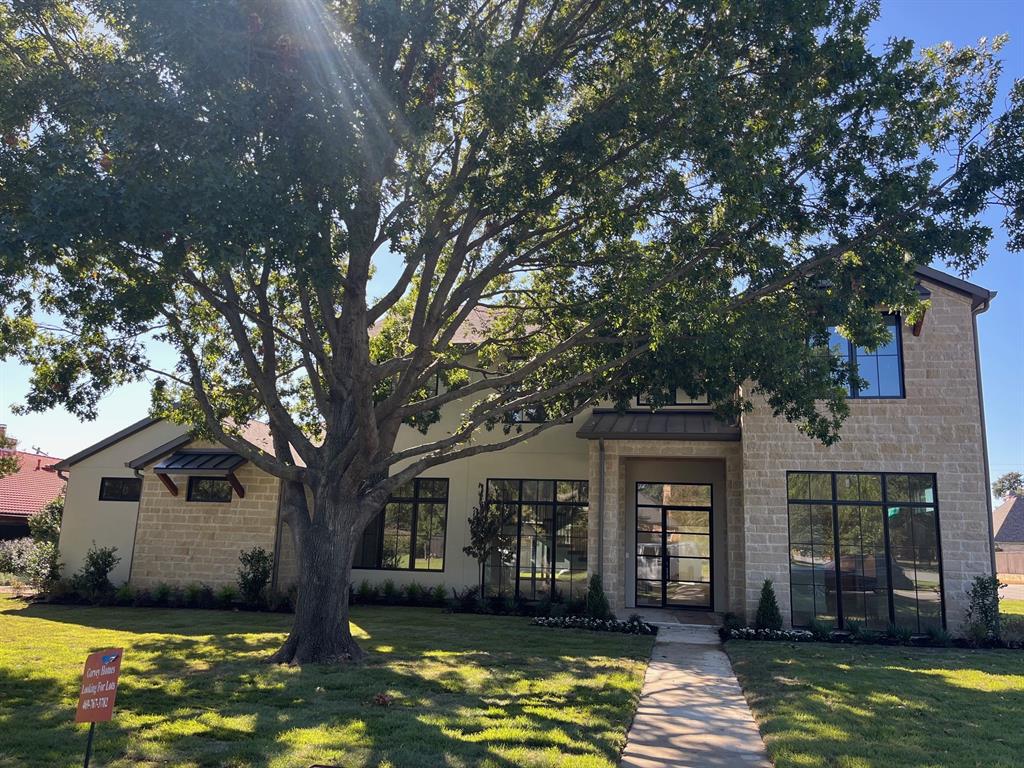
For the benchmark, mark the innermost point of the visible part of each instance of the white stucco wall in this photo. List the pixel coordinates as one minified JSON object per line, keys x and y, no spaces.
{"x":107,"y":523}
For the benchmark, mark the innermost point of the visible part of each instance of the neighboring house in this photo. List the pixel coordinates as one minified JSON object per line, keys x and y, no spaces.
{"x":28,"y":490}
{"x":1008,"y":523}
{"x":674,"y":508}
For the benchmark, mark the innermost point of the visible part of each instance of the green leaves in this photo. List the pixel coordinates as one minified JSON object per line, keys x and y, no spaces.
{"x":634,"y":196}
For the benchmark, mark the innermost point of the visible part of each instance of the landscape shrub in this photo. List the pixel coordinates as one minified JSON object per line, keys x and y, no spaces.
{"x":414,"y":594}
{"x":162,"y":594}
{"x":634,"y":625}
{"x":389,"y":593}
{"x":13,"y":553}
{"x":982,"y":621}
{"x":227,"y":596}
{"x":42,"y":565}
{"x":768,"y":614}
{"x":282,"y":602}
{"x":939,"y":637}
{"x":597,"y":606}
{"x":792,"y":635}
{"x":822,"y":630}
{"x":198,"y":596}
{"x":466,"y":601}
{"x":854,"y":634}
{"x":254,"y":572}
{"x":44,"y":525}
{"x":93,"y":579}
{"x":439,"y":595}
{"x":124,"y":595}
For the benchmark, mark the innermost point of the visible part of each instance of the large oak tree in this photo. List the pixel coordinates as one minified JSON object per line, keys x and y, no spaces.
{"x":310,"y":200}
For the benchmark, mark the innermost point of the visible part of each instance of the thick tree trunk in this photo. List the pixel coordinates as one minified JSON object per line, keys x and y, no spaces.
{"x":320,"y":633}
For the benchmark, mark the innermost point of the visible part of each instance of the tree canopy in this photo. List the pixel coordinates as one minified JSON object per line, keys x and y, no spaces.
{"x":311,"y":201}
{"x":1008,"y":484}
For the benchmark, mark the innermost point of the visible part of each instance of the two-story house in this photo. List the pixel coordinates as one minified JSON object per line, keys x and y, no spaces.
{"x":673,"y":507}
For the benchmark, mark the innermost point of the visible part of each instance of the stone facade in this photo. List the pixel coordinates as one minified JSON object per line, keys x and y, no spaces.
{"x":182,"y":542}
{"x":615,"y":557}
{"x":936,"y":428}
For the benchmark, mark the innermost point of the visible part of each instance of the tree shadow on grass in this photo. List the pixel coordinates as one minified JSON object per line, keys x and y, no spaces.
{"x":177,"y":621}
{"x":886,"y":706}
{"x":200,"y":700}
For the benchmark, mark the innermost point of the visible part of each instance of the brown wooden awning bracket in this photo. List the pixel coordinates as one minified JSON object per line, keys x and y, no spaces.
{"x":919,"y":325}
{"x":168,"y":483}
{"x":235,"y":485}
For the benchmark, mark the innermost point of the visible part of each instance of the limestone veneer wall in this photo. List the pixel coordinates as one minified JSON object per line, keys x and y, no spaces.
{"x":937,"y":428}
{"x":614,"y":560}
{"x":181,"y":542}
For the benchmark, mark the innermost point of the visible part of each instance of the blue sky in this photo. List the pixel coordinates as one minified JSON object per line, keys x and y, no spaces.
{"x":1001,"y":328}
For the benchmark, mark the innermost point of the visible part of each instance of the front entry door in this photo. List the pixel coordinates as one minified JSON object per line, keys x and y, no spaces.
{"x":673,"y":545}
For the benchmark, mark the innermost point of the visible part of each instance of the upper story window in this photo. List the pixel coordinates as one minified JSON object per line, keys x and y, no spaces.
{"x":881,"y":369}
{"x":680,"y":397}
{"x":120,"y":488}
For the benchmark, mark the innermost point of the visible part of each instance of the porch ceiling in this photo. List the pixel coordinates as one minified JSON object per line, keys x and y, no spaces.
{"x":659,"y":425}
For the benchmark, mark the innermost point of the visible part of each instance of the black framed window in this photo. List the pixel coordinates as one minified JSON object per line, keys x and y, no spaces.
{"x":409,"y":534}
{"x":679,"y":397}
{"x":880,"y":369}
{"x":543,"y":547}
{"x":120,"y":488}
{"x":531,"y":414}
{"x":674,"y":534}
{"x":864,"y":547}
{"x":209,"y":489}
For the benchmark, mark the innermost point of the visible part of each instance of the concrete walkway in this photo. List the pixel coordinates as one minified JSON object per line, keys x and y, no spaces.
{"x":692,"y":713}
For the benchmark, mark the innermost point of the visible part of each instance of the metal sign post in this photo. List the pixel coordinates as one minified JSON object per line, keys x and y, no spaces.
{"x":98,"y":692}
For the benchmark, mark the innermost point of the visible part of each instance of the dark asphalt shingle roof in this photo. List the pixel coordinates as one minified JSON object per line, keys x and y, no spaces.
{"x":1009,"y":519}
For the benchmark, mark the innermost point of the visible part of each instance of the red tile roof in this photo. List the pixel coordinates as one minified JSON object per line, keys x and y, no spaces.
{"x":30,"y":488}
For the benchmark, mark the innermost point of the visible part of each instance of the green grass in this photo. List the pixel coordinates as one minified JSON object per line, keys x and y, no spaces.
{"x":469,"y":691}
{"x":871,"y":706}
{"x":1012,"y":607}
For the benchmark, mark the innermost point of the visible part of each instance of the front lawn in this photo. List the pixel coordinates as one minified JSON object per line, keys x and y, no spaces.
{"x":847,"y":706}
{"x":1012,"y":607}
{"x":468,"y":691}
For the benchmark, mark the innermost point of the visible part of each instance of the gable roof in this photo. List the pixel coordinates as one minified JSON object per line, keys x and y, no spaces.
{"x":106,"y":442}
{"x":978,"y":295}
{"x":32,"y":487}
{"x":1008,"y":519}
{"x":255,"y":432}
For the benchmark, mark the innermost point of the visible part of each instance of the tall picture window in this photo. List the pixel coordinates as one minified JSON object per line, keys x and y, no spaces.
{"x":864,"y":547}
{"x":543,"y":548}
{"x":409,"y":534}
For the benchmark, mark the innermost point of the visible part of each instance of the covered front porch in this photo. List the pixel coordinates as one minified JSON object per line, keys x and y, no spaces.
{"x":665,"y":520}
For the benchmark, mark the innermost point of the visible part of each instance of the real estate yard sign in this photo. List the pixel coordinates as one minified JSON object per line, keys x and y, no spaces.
{"x":98,"y":691}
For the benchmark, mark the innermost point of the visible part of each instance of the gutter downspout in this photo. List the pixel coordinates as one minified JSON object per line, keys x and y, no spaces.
{"x":135,"y":534}
{"x":600,"y":508}
{"x":977,"y":310}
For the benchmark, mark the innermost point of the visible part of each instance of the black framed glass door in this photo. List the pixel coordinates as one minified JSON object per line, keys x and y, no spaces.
{"x":673,"y":545}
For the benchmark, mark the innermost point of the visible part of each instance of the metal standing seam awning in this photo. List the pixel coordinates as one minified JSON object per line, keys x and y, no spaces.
{"x":201,"y":463}
{"x":657,"y":425}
